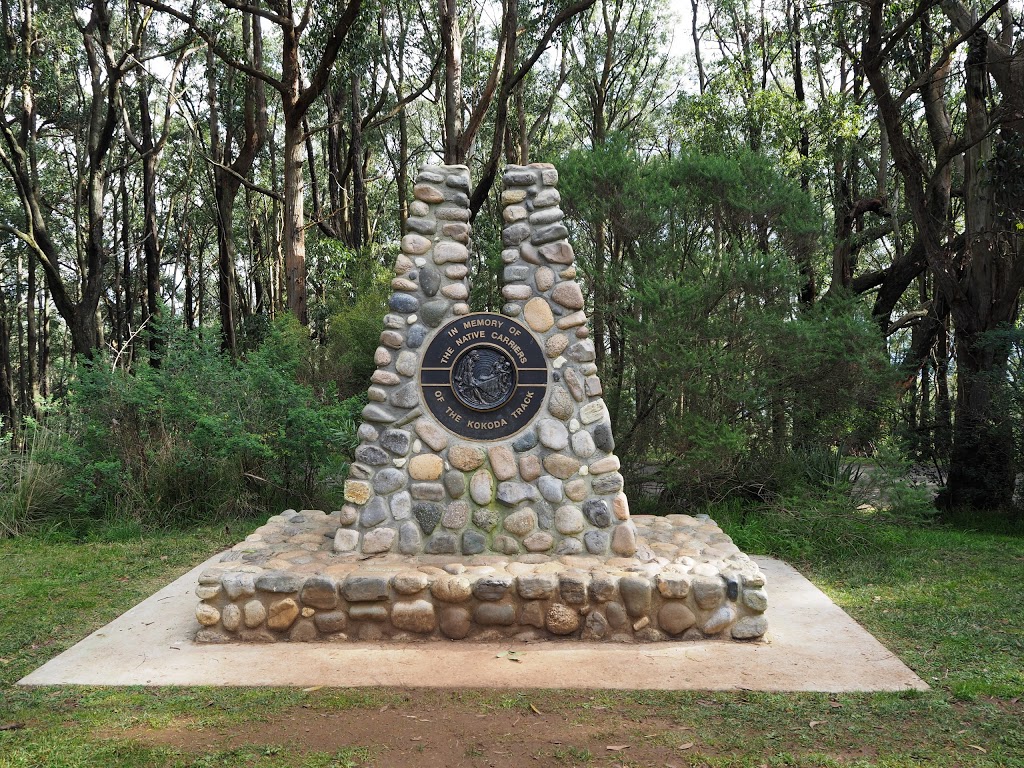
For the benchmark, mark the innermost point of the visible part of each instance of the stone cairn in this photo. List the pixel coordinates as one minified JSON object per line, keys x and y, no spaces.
{"x":485,"y":501}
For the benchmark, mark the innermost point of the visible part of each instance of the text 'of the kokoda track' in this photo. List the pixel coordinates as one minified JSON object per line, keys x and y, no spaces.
{"x":484,"y":376}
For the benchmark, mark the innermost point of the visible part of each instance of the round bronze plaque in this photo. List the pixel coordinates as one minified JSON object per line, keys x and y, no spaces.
{"x":484,"y":376}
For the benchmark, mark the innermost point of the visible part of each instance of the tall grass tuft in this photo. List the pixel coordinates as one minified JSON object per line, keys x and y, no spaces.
{"x":31,"y":485}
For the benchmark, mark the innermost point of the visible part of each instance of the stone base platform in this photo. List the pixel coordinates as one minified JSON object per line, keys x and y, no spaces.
{"x":687,"y":581}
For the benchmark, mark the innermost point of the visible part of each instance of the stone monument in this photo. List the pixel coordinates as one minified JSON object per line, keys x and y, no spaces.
{"x":485,"y":500}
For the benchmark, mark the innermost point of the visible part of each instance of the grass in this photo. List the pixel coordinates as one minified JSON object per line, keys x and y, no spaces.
{"x":947,"y":601}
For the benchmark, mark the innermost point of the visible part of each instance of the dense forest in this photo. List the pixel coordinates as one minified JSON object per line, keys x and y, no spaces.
{"x":799,"y":229}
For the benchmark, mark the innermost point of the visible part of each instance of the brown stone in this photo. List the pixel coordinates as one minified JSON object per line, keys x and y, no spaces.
{"x":282,"y":614}
{"x":538,"y":542}
{"x":431,"y":434}
{"x":561,"y":466}
{"x":455,"y":291}
{"x":414,"y":616}
{"x":605,"y":465}
{"x":544,"y":279}
{"x":675,"y":618}
{"x":538,"y":315}
{"x":620,"y":506}
{"x":562,"y":620}
{"x":415,"y":245}
{"x":624,"y":540}
{"x":560,"y":404}
{"x":503,"y":462}
{"x":530,"y":468}
{"x":451,"y":589}
{"x":465,"y":457}
{"x":571,"y":321}
{"x":427,"y":194}
{"x":410,"y":582}
{"x":207,"y":615}
{"x":520,"y":523}
{"x":455,"y":622}
{"x":576,"y":490}
{"x":426,"y":467}
{"x":558,"y":253}
{"x":555,"y":345}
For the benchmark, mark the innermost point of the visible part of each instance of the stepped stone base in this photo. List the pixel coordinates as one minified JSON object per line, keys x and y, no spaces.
{"x":285,"y":582}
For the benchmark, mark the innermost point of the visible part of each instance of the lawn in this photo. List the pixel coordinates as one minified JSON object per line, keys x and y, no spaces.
{"x":947,"y":601}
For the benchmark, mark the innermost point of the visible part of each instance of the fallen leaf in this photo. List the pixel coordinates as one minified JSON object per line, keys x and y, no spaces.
{"x":617,"y":747}
{"x":687,"y":745}
{"x":12,"y":726}
{"x":312,"y":688}
{"x":535,"y":709}
{"x":815,"y":723}
{"x":510,"y":655}
{"x":835,"y":705}
{"x":416,"y":738}
{"x":980,"y":749}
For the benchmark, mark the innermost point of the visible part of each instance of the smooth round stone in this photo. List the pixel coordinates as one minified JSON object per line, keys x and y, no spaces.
{"x":414,"y":616}
{"x":426,"y":467}
{"x":520,"y":523}
{"x":607,"y":484}
{"x":538,"y":542}
{"x":555,"y":345}
{"x":583,"y":446}
{"x":433,"y":312}
{"x":624,"y":540}
{"x":403,"y":264}
{"x":231,"y":617}
{"x":448,"y":253}
{"x":550,"y":488}
{"x":597,"y":512}
{"x":396,"y":441}
{"x":675,"y":618}
{"x":516,"y":292}
{"x":560,"y":404}
{"x":409,"y":538}
{"x":719,"y":620}
{"x":416,"y":337}
{"x":636,"y":595}
{"x":576,"y":490}
{"x":473,"y":543}
{"x":675,"y":586}
{"x":379,"y":540}
{"x":442,"y":543}
{"x":537,"y":314}
{"x":750,"y":627}
{"x":557,"y":253}
{"x":603,"y":437}
{"x":414,"y":244}
{"x":503,"y":462}
{"x":562,"y":620}
{"x":481,"y":487}
{"x":506,"y":544}
{"x":430,"y":280}
{"x":388,"y":480}
{"x":756,"y":599}
{"x":526,"y":441}
{"x":485,"y":519}
{"x":568,"y":295}
{"x":492,"y":588}
{"x":207,"y":615}
{"x":530,"y":468}
{"x":561,"y":466}
{"x":455,"y":291}
{"x":455,"y":483}
{"x":465,"y":457}
{"x":319,"y":592}
{"x":431,"y":434}
{"x":569,"y":547}
{"x":553,"y":434}
{"x":401,"y":506}
{"x":708,"y":592}
{"x":455,"y":623}
{"x":282,"y":614}
{"x":569,"y":520}
{"x":254,"y":613}
{"x":512,"y":493}
{"x":451,"y":589}
{"x":403,"y":302}
{"x":346,"y":540}
{"x":605,"y":465}
{"x":410,"y":582}
{"x":495,"y":614}
{"x":544,"y":278}
{"x":596,"y":542}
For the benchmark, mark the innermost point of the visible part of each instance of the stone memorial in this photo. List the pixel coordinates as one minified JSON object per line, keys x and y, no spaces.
{"x":485,"y":500}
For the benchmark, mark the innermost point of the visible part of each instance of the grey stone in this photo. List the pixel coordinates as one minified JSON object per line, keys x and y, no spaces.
{"x":455,"y":622}
{"x":388,"y":480}
{"x":401,"y":506}
{"x":506,"y":545}
{"x":750,"y":627}
{"x":546,"y":216}
{"x":433,"y":312}
{"x":553,"y":434}
{"x":410,"y":582}
{"x":708,"y":592}
{"x":545,"y":517}
{"x":378,"y":540}
{"x":428,"y":515}
{"x":403,"y":302}
{"x":561,"y":405}
{"x":428,"y":491}
{"x":495,"y":614}
{"x":719,"y":620}
{"x":405,"y":397}
{"x":550,"y":488}
{"x":573,"y":587}
{"x":364,"y":588}
{"x":607,"y":484}
{"x":532,"y":614}
{"x":603,"y":588}
{"x":330,"y":622}
{"x":514,"y":234}
{"x":377,"y":413}
{"x":414,"y":616}
{"x":582,"y":351}
{"x":583,"y":444}
{"x":367,"y":433}
{"x":616,"y":615}
{"x":484,"y":518}
{"x":430,"y":280}
{"x":549,"y":234}
{"x":455,"y":516}
{"x":279,"y":582}
{"x":372,"y":455}
{"x":492,"y":588}
{"x":596,"y":542}
{"x":374,"y":513}
{"x":595,"y":627}
{"x":537,"y":586}
{"x":603,"y":438}
{"x":416,"y":336}
{"x":675,"y":618}
{"x":345,"y":540}
{"x":526,"y":441}
{"x":451,"y":213}
{"x":756,"y":599}
{"x":442,"y":543}
{"x":421,"y":226}
{"x":432,"y":434}
{"x":319,"y":592}
{"x":569,"y":520}
{"x":473,"y":543}
{"x":481,"y":487}
{"x":458,"y":181}
{"x":397,"y":441}
{"x":569,"y":546}
{"x":455,"y":483}
{"x":519,"y":178}
{"x":636,"y":595}
{"x":368,"y":612}
{"x":238,"y":585}
{"x":512,"y":493}
{"x":597,"y":512}
{"x":515,"y":274}
{"x":409,"y":538}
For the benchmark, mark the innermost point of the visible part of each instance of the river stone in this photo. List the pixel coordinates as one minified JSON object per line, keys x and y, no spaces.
{"x":455,"y":622}
{"x":561,"y":466}
{"x":569,"y":546}
{"x":363,"y":612}
{"x":207,"y":615}
{"x":577,"y":490}
{"x":583,"y":446}
{"x":675,"y":586}
{"x":553,"y":434}
{"x":749,"y":627}
{"x":414,"y":616}
{"x":675,"y":618}
{"x":506,"y":545}
{"x":346,"y":540}
{"x":569,"y":520}
{"x":430,"y":280}
{"x":433,"y":312}
{"x":442,"y":543}
{"x":428,"y":491}
{"x":378,"y":540}
{"x":719,"y":620}
{"x":427,"y":514}
{"x":254,"y":613}
{"x":319,"y":592}
{"x":447,"y":252}
{"x":456,"y":291}
{"x":473,"y":543}
{"x":281,"y":614}
{"x":431,"y":434}
{"x":484,"y":518}
{"x":404,"y":303}
{"x":607,"y":484}
{"x":452,"y":213}
{"x":387,"y":378}
{"x":539,"y":541}
{"x":238,"y":585}
{"x":597,"y":512}
{"x":364,"y":588}
{"x":537,"y":314}
{"x":451,"y":589}
{"x":603,"y":438}
{"x":620,"y":507}
{"x":562,"y":620}
{"x":537,"y":586}
{"x":512,"y":493}
{"x":408,"y":538}
{"x":516,"y":292}
{"x":561,"y":405}
{"x":455,"y":516}
{"x":401,"y":506}
{"x":572,"y":585}
{"x":555,"y":345}
{"x":515,"y":274}
{"x":421,"y":226}
{"x":568,"y":295}
{"x":465,"y":457}
{"x":503,"y":462}
{"x":595,"y":627}
{"x":636,"y":595}
{"x":526,"y":441}
{"x":514,"y":234}
{"x":481,"y":487}
{"x":495,"y":614}
{"x":397,"y":441}
{"x":457,"y":271}
{"x":605,"y":465}
{"x":708,"y":592}
{"x":231,"y":617}
{"x":426,"y":467}
{"x":550,"y":488}
{"x":410,"y":582}
{"x":596,"y":542}
{"x":303,"y":632}
{"x":520,"y":523}
{"x":427,"y":194}
{"x":492,"y":588}
{"x":624,"y":539}
{"x":330,"y":622}
{"x":530,"y":468}
{"x":415,"y":245}
{"x":373,"y":456}
{"x":756,"y":599}
{"x":388,"y":480}
{"x":279,"y":582}
{"x":517,"y":177}
{"x":417,"y":334}
{"x":374,"y":513}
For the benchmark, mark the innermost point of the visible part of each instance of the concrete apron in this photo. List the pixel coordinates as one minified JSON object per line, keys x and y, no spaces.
{"x":811,"y":645}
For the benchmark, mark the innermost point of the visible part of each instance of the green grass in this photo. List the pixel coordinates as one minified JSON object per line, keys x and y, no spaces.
{"x":947,"y":601}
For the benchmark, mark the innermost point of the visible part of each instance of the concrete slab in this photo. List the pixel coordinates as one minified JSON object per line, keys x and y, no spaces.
{"x":812,"y":645}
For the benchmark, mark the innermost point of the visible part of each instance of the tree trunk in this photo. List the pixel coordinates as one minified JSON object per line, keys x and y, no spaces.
{"x":294,"y":221}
